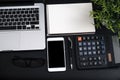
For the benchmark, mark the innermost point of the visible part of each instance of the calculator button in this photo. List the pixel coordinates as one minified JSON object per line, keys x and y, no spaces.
{"x":79,"y":39}
{"x":84,"y":43}
{"x":94,"y":52}
{"x":99,"y":62}
{"x":85,"y":48}
{"x":94,"y":48}
{"x":95,"y":63}
{"x":98,"y":43}
{"x":90,"y":53}
{"x":90,"y":58}
{"x":89,"y":48}
{"x":80,"y":43}
{"x":89,"y":43}
{"x":85,"y":53}
{"x":80,"y":48}
{"x":103,"y":52}
{"x":84,"y":38}
{"x":97,"y":37}
{"x":83,"y":59}
{"x":93,"y":43}
{"x":99,"y":58}
{"x":91,"y":63}
{"x":88,"y":38}
{"x":93,"y":37}
{"x":94,"y":58}
{"x":98,"y":47}
{"x":98,"y":52}
{"x":81,"y":53}
{"x":85,"y":63}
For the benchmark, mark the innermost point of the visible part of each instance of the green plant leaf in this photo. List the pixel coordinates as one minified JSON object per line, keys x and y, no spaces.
{"x":107,"y":13}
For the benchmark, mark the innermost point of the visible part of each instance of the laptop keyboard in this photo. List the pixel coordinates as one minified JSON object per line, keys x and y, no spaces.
{"x":19,"y":19}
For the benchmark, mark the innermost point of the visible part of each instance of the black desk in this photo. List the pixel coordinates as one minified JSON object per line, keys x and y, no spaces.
{"x":9,"y":71}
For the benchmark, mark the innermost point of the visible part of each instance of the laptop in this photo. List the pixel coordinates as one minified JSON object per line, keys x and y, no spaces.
{"x":70,"y":18}
{"x":22,"y":27}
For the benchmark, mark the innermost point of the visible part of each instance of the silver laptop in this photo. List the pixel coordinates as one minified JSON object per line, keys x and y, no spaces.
{"x":22,"y":27}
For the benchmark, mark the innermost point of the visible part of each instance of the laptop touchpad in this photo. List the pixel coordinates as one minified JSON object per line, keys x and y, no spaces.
{"x":9,"y":40}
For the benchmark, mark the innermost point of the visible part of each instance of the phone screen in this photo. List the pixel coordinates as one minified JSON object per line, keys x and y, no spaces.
{"x":56,"y":54}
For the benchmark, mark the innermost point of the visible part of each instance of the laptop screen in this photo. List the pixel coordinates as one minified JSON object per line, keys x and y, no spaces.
{"x":14,"y":0}
{"x":7,"y":1}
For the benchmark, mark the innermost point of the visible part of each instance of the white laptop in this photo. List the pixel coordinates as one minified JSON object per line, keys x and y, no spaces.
{"x":22,"y":27}
{"x":69,"y":18}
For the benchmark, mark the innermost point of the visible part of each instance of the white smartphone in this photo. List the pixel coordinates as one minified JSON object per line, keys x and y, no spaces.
{"x":56,"y":54}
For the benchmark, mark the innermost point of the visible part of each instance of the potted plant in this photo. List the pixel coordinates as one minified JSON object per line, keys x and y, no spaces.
{"x":107,"y":13}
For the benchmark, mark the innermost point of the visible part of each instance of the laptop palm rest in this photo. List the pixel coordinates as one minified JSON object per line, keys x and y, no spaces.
{"x":9,"y":41}
{"x":31,"y":40}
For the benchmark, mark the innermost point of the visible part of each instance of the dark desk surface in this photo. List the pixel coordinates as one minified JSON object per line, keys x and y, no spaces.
{"x":9,"y":71}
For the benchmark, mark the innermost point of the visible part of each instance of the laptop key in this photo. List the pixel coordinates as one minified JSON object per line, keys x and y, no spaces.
{"x":33,"y":26}
{"x":14,"y":23}
{"x":28,"y":28}
{"x":24,"y":15}
{"x":24,"y":27}
{"x":19,"y":27}
{"x":3,"y":16}
{"x":37,"y":22}
{"x":19,"y":17}
{"x":28,"y":15}
{"x":23,"y":23}
{"x":13,"y":27}
{"x":18,"y":23}
{"x":7,"y":28}
{"x":27,"y":23}
{"x":9,"y":12}
{"x":1,"y":13}
{"x":26,"y":12}
{"x":37,"y":26}
{"x":5,"y":23}
{"x":1,"y":23}
{"x":10,"y":23}
{"x":12,"y":19}
{"x":5,"y":12}
{"x":29,"y":19}
{"x":37,"y":15}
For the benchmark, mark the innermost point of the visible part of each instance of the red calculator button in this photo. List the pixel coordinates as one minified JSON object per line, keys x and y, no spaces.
{"x":79,"y":38}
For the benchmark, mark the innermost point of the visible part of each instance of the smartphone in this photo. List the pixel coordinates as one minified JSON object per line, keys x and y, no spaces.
{"x":56,"y":54}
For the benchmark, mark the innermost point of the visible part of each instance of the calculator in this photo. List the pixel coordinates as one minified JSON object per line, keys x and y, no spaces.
{"x":91,"y":52}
